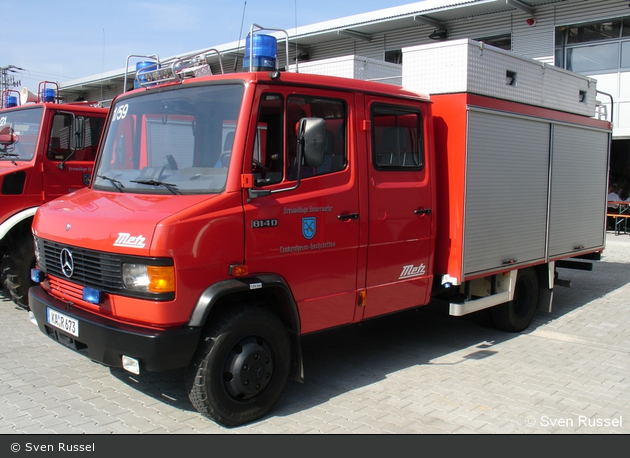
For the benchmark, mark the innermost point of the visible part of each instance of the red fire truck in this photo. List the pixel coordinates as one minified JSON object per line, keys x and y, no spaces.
{"x":47,"y":149}
{"x":230,"y":214}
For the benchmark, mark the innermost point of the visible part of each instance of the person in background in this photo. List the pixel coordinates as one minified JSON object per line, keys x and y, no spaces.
{"x":623,"y":190}
{"x":613,"y":207}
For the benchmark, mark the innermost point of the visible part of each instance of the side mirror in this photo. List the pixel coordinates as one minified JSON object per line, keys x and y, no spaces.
{"x":312,"y":137}
{"x":7,"y":137}
{"x":77,"y":140}
{"x":79,"y":133}
{"x":311,"y":141}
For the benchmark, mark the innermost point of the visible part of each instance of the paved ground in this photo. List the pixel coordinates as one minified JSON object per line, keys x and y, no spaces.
{"x":415,"y":372}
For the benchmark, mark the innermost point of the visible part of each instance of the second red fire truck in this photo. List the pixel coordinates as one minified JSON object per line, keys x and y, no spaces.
{"x":47,"y":149}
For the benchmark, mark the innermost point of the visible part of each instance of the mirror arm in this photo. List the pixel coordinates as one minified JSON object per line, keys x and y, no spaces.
{"x":254,"y":193}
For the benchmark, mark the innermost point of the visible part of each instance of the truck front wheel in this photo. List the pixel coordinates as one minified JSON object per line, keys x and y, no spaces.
{"x":516,"y":315}
{"x":16,"y":269}
{"x":241,"y":367}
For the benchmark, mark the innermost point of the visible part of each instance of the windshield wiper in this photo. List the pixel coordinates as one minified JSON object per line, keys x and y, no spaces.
{"x":117,"y":184}
{"x":6,"y":154}
{"x":169,"y":186}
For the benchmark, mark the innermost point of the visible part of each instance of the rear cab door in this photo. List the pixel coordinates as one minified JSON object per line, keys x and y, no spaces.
{"x":401,"y":201}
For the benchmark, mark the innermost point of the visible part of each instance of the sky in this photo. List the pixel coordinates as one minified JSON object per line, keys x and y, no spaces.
{"x":69,"y":39}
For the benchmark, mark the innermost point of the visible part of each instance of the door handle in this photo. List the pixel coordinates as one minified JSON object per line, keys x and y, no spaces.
{"x":348,"y":216}
{"x":422,"y":211}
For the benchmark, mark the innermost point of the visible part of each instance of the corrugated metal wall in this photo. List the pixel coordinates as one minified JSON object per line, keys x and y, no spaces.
{"x":536,"y":42}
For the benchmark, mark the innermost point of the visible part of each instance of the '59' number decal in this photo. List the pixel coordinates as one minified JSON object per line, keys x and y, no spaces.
{"x":121,"y":112}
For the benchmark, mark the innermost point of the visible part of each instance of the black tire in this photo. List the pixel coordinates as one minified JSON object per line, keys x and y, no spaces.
{"x":241,"y":367}
{"x":516,"y":315}
{"x":16,"y":270}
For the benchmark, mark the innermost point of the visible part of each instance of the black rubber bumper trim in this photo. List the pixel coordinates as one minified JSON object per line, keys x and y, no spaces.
{"x":105,"y":340}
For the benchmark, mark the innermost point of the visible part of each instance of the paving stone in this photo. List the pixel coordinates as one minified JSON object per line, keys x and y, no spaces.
{"x":411,"y":373}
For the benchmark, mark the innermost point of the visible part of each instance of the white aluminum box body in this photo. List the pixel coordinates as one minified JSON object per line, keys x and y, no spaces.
{"x":357,"y":67}
{"x":470,"y":66}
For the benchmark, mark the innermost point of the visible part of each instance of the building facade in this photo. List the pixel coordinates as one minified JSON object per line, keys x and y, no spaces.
{"x":590,"y":37}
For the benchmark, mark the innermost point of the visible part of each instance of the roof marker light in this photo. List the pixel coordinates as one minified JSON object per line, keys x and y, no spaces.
{"x":148,"y":66}
{"x":262,"y":54}
{"x":47,"y":92}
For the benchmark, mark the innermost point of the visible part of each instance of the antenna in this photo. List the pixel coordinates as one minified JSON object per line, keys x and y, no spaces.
{"x":296,"y":44}
{"x":239,"y":38}
{"x":103,"y":67}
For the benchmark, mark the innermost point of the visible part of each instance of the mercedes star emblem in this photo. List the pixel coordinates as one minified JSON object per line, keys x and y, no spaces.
{"x":67,"y":263}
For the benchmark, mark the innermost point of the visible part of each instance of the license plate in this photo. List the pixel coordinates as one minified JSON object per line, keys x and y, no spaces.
{"x":63,"y":322}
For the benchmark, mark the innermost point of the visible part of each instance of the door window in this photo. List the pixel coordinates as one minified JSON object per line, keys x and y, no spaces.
{"x":275,"y":145}
{"x":396,"y":138}
{"x":80,"y":134}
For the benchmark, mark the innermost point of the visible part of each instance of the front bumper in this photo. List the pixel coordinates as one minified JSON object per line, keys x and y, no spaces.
{"x":106,"y":341}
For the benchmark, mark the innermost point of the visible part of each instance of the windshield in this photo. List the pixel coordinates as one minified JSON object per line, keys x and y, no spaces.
{"x":18,"y":133}
{"x":175,"y":141}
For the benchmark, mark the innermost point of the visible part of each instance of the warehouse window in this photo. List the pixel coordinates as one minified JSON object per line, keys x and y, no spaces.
{"x":394,"y":56}
{"x":594,"y":47}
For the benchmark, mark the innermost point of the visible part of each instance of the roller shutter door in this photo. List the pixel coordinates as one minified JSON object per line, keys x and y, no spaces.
{"x":506,"y":191}
{"x":578,"y":189}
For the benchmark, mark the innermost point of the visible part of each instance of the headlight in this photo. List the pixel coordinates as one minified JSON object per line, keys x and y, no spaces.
{"x":37,"y":255}
{"x":152,"y":279}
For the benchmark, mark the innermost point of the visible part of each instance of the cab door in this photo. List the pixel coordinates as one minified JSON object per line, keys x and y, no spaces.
{"x":71,"y":145}
{"x":401,"y":223}
{"x":306,"y":233}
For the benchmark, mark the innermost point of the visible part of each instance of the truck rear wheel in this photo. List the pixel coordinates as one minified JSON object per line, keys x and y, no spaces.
{"x":516,"y":315}
{"x":241,"y":367}
{"x":16,"y":269}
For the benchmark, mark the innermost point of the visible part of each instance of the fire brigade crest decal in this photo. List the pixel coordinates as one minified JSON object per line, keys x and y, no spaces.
{"x":309,"y":227}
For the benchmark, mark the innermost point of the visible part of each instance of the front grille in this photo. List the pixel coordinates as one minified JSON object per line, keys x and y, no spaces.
{"x":94,"y":269}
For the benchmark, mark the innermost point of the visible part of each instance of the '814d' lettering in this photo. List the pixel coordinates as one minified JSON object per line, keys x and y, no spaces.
{"x":258,"y":223}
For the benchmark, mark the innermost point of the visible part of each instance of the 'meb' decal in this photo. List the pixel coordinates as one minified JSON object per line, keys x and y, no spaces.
{"x":412,"y":271}
{"x":126,"y":240}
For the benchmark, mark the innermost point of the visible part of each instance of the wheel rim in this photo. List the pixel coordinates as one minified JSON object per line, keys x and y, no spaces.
{"x":248,"y":369}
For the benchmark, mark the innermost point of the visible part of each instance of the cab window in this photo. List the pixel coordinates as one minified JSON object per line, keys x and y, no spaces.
{"x":82,"y":137}
{"x":333,"y":112}
{"x":275,"y":145}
